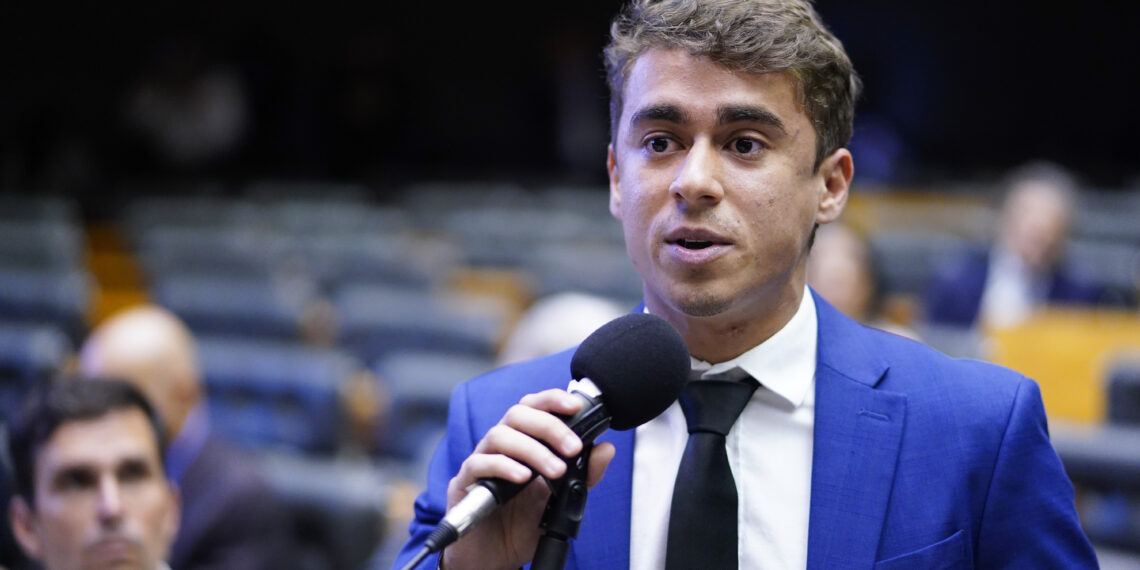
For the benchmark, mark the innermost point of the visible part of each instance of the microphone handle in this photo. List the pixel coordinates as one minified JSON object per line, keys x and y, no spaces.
{"x":587,"y":424}
{"x":491,"y":492}
{"x":503,"y":490}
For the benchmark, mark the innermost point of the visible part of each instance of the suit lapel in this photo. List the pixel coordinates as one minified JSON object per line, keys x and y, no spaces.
{"x":858,"y":431}
{"x":603,"y":539}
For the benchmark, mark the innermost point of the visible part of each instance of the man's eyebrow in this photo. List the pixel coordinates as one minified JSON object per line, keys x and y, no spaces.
{"x":666,"y":113}
{"x":743,"y":113}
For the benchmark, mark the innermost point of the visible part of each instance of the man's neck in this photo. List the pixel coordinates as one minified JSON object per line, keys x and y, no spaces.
{"x":729,"y":334}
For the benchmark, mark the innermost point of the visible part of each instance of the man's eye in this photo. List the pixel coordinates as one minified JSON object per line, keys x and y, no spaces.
{"x":75,"y":481}
{"x":659,"y":145}
{"x":746,"y":146}
{"x":134,"y":472}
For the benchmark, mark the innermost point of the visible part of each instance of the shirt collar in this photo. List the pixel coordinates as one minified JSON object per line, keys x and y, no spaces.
{"x":785,"y":363}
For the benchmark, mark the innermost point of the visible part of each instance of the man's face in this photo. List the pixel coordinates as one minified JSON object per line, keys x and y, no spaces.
{"x":1036,"y":224}
{"x":712,"y":176}
{"x":101,"y":500}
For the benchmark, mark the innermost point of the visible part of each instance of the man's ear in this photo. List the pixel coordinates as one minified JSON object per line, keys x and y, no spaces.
{"x":615,"y":191}
{"x":836,"y":172}
{"x":22,"y":519}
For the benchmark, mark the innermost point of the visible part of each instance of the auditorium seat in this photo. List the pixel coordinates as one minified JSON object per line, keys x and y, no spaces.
{"x":40,"y":244}
{"x":906,"y":257}
{"x":1123,"y":392}
{"x":337,"y":508}
{"x":61,"y":297}
{"x":378,"y":319}
{"x":29,"y":353}
{"x":265,"y":394}
{"x":208,"y":250}
{"x":421,"y":382}
{"x":400,"y":259}
{"x":250,"y":306}
{"x":585,"y":266}
{"x":1114,"y":265}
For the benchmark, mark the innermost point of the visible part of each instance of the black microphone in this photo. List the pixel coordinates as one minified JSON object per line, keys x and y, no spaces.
{"x":627,"y":372}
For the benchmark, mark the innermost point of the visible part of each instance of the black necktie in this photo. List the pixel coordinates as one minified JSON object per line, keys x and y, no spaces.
{"x":702,"y":520}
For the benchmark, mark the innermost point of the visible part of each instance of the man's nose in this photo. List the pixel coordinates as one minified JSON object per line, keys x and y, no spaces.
{"x":110,"y":508}
{"x":698,"y":179}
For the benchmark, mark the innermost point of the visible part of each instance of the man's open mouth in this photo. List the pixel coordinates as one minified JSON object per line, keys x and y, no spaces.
{"x":694,"y":243}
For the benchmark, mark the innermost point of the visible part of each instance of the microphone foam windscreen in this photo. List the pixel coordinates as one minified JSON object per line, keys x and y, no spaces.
{"x":639,"y":362}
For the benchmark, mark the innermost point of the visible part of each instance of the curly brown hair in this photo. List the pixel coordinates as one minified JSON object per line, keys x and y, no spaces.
{"x":753,"y":36}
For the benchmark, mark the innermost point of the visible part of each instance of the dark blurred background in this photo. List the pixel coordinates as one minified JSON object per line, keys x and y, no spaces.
{"x":387,"y":93}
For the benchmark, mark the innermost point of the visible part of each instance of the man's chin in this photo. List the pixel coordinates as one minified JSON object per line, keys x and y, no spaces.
{"x":114,"y":553}
{"x":703,"y":305}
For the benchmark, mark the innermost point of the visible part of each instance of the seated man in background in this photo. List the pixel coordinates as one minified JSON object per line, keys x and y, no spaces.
{"x":230,"y":517}
{"x":92,"y":491}
{"x":1024,"y":269}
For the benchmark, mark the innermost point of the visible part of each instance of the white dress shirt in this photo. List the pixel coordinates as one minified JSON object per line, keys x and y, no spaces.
{"x":1012,"y":290}
{"x":769,"y":451}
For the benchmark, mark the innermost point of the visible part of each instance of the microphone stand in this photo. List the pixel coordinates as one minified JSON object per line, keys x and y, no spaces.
{"x":563,"y":514}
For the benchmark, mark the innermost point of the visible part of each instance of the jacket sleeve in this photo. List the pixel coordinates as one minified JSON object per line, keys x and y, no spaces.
{"x":1030,"y":518}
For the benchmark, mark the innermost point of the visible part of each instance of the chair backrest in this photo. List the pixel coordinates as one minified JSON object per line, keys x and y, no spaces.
{"x":29,"y":353}
{"x":61,"y":297}
{"x":421,"y":382}
{"x":906,"y":257}
{"x":249,"y":306}
{"x":337,"y":508}
{"x":266,"y":394}
{"x":1122,"y":392}
{"x":377,"y":320}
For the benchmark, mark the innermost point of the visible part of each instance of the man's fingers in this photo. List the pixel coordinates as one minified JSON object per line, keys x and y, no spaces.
{"x":524,"y":448}
{"x":600,"y":458}
{"x":534,"y":416}
{"x":481,"y":465}
{"x":554,"y":401}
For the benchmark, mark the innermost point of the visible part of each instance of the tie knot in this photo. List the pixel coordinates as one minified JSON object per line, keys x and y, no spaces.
{"x":714,"y":405}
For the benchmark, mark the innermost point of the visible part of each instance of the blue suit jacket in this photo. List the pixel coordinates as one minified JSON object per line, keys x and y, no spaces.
{"x":919,"y":461}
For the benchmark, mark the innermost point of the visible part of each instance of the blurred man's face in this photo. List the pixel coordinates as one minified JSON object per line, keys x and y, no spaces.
{"x":101,"y":498}
{"x":1036,"y":224}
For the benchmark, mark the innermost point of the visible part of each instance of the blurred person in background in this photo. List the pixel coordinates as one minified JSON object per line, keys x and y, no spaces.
{"x":556,"y":323}
{"x":230,"y":516}
{"x":842,"y":269}
{"x":92,"y":491}
{"x":1024,"y":268}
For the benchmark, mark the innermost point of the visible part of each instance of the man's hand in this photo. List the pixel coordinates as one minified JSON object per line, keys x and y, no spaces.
{"x":508,"y":537}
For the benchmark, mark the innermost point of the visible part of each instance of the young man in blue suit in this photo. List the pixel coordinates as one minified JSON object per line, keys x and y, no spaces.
{"x":859,"y":449}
